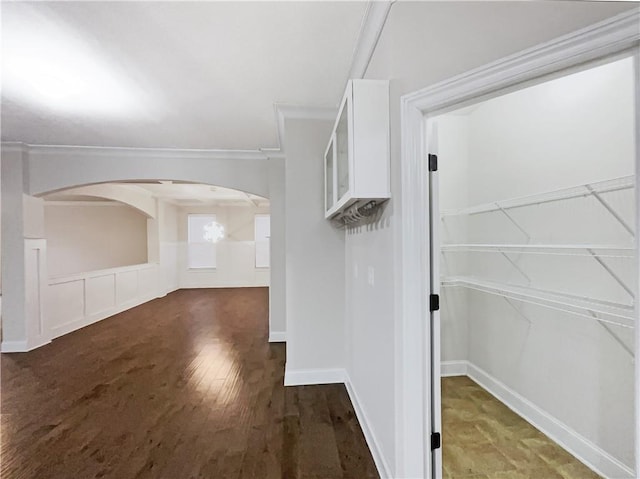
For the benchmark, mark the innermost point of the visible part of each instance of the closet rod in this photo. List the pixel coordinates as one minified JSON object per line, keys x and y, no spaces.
{"x":622,"y":315}
{"x":607,"y":186}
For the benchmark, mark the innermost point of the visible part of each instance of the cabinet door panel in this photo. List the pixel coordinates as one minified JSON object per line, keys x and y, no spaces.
{"x":329,"y":179}
{"x":342,"y":150}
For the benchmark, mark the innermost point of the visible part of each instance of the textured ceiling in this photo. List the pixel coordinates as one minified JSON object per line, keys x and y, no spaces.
{"x":169,"y":74}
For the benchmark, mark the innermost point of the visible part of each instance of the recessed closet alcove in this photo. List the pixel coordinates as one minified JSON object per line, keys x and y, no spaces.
{"x":537,"y":271}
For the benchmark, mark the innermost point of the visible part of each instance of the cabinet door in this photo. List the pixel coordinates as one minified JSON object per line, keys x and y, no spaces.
{"x":342,"y":149}
{"x":330,"y":175}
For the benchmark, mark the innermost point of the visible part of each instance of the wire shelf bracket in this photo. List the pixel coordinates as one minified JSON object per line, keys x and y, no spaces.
{"x":618,"y":314}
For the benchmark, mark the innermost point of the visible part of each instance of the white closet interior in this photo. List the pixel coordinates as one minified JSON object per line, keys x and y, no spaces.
{"x":537,"y":241}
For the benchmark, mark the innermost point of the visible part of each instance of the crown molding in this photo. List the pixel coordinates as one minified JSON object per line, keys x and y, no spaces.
{"x":295,"y":112}
{"x":608,"y":37}
{"x":273,"y":153}
{"x":601,"y":41}
{"x":371,"y":28}
{"x":373,"y":22}
{"x":100,"y":152}
{"x":13,"y":146}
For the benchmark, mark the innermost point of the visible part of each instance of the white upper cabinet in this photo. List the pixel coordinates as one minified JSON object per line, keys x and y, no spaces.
{"x":356,"y":160}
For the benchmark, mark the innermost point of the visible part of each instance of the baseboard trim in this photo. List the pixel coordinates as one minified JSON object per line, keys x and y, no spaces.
{"x":277,"y":336}
{"x":308,"y":377}
{"x":582,"y":448}
{"x":453,"y":368}
{"x":14,"y":347}
{"x":22,"y":346}
{"x":369,"y":436}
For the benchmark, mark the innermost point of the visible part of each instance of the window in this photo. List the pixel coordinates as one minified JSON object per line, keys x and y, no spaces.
{"x":203,"y":232}
{"x":262,"y":234}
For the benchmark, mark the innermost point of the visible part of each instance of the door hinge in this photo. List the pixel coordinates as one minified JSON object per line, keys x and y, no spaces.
{"x":436,"y":441}
{"x":434,"y":302}
{"x":433,"y":162}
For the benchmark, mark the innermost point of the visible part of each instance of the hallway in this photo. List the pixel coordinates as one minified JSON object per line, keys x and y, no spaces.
{"x":185,"y":386}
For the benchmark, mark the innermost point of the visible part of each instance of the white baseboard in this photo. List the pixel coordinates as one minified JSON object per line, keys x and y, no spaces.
{"x":22,"y":346}
{"x":220,"y":285}
{"x":277,"y":337}
{"x":14,"y":347}
{"x":453,"y":368}
{"x":580,"y":447}
{"x":372,"y":442}
{"x":307,"y":377}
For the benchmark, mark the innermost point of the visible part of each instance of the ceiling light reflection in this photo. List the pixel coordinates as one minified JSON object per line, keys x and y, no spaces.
{"x":216,"y":373}
{"x":45,"y":64}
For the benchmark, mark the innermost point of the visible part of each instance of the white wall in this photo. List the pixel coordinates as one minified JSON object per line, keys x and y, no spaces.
{"x":235,"y":254}
{"x":423,"y":43}
{"x":453,"y":177}
{"x":52,"y":168}
{"x":88,"y":238}
{"x":168,"y":245}
{"x":315,"y":256}
{"x":13,"y":250}
{"x":567,"y":132}
{"x":37,"y":170}
{"x":277,"y":282}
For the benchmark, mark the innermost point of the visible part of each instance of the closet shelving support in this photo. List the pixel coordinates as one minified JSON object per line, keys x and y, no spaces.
{"x":605,"y":251}
{"x":594,"y":190}
{"x":604,"y":311}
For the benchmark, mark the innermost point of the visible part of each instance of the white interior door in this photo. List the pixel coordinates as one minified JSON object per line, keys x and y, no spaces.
{"x":433,"y":363}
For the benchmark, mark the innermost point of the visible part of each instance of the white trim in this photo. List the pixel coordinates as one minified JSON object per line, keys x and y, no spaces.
{"x":602,"y":39}
{"x":576,"y":444}
{"x":453,"y":368}
{"x":374,"y":447}
{"x":412,"y":342}
{"x":15,"y":347}
{"x":273,"y":153}
{"x":371,"y":28}
{"x":607,"y":38}
{"x":100,"y":152}
{"x":373,"y":22}
{"x":307,"y":377}
{"x":13,"y":147}
{"x":218,"y":284}
{"x":277,"y":336}
{"x":637,"y":260}
{"x":293,"y":112}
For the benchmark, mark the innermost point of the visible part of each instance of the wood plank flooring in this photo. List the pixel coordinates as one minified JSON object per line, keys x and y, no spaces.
{"x":483,"y":439}
{"x":182,"y":387}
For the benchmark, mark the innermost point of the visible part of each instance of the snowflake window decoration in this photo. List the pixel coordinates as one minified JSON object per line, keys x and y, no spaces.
{"x":213,"y":232}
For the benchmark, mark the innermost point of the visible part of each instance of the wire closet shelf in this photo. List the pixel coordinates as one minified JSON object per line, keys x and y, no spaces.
{"x":606,"y":312}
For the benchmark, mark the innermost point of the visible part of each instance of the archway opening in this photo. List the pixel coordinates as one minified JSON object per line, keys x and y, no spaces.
{"x":112,"y":246}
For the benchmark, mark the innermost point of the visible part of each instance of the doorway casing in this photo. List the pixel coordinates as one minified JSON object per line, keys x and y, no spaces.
{"x":619,"y":35}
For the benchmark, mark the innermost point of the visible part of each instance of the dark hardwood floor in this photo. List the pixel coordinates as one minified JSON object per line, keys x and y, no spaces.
{"x":182,"y":387}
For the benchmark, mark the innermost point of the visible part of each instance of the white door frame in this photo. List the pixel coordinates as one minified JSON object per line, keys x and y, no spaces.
{"x":607,"y":38}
